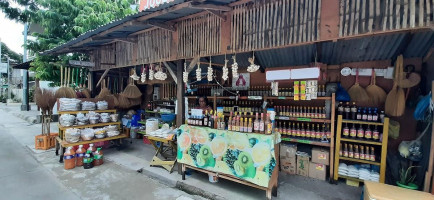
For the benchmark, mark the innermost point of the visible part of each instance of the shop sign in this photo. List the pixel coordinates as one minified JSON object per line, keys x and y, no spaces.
{"x":81,"y":63}
{"x":147,"y":4}
{"x":3,"y":68}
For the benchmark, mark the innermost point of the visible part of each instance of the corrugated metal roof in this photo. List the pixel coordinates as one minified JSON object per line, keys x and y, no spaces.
{"x":420,"y":44}
{"x":124,"y":32}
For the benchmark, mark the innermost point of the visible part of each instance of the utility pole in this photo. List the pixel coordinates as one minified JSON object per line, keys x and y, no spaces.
{"x":25,"y":101}
{"x":9,"y":79}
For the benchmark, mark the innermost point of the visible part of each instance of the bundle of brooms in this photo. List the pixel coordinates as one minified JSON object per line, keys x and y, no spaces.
{"x":65,"y":91}
{"x":45,"y":100}
{"x":376,"y":94}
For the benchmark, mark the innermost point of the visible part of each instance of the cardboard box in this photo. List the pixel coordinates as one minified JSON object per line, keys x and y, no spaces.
{"x":320,"y":155}
{"x":288,"y":158}
{"x":317,"y":170}
{"x":303,"y":165}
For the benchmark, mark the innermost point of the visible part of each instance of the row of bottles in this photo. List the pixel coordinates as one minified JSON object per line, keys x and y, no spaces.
{"x":87,"y":158}
{"x":301,"y":111}
{"x":304,"y":130}
{"x":259,"y":125}
{"x":358,"y":113}
{"x":363,"y":132}
{"x":259,"y":91}
{"x":357,"y":151}
{"x":241,"y":106}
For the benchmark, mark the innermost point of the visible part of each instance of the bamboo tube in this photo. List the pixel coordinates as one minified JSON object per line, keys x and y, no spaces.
{"x":356,"y":18}
{"x":291,"y":23}
{"x":318,"y":20}
{"x":398,"y":14}
{"x":274,"y":26}
{"x":412,"y":13}
{"x":262,"y":23}
{"x":421,"y":13}
{"x":428,"y":12}
{"x":347,"y":17}
{"x":391,"y":17}
{"x":296,"y":23}
{"x":353,"y":11}
{"x":308,"y":20}
{"x":385,"y":15}
{"x":371,"y":15}
{"x":341,"y":17}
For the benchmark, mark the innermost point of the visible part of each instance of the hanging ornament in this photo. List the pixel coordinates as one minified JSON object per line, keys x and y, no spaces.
{"x":209,"y":74}
{"x":160,"y":75}
{"x":151,"y":73}
{"x":225,"y":75}
{"x":198,"y":72}
{"x":185,"y":73}
{"x":252,"y":67}
{"x":143,"y":75}
{"x":234,"y":68}
{"x":134,"y":76}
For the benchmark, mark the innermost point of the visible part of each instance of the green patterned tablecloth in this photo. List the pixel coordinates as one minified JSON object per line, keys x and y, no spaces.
{"x":248,"y":156}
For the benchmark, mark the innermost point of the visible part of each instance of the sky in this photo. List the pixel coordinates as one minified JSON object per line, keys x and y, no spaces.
{"x":11,"y":33}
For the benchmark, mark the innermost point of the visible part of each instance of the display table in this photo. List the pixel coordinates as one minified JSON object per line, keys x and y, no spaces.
{"x":380,"y":191}
{"x":165,"y":145}
{"x":246,"y":158}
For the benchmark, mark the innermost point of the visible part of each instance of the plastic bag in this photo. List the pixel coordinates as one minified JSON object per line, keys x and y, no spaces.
{"x":67,"y":120}
{"x":87,"y":105}
{"x":422,"y":109}
{"x":72,"y":135}
{"x":102,"y":105}
{"x":87,"y":134}
{"x":341,"y":94}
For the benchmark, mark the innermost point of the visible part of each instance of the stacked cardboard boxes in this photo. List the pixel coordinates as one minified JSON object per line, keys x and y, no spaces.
{"x":318,"y":166}
{"x":288,"y":158}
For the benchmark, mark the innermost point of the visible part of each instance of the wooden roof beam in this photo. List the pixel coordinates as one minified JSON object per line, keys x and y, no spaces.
{"x":209,"y":6}
{"x":217,"y":14}
{"x":161,"y":25}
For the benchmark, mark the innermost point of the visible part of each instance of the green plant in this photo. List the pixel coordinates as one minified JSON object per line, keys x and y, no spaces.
{"x":405,"y":176}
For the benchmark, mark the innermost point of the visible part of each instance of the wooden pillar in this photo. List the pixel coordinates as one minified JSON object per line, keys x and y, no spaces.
{"x":180,"y":93}
{"x":429,"y":178}
{"x":329,"y":24}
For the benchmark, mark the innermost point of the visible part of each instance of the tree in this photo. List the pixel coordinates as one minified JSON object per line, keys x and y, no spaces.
{"x":62,"y":21}
{"x":14,"y":57}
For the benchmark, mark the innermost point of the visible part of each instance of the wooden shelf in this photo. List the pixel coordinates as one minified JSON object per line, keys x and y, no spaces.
{"x":141,"y":132}
{"x":88,"y":125}
{"x":361,"y":141}
{"x":250,"y":116}
{"x":361,"y":122}
{"x":150,"y":111}
{"x":311,"y":142}
{"x":292,"y":98}
{"x":303,"y":119}
{"x":350,"y":178}
{"x":166,"y":105}
{"x":359,"y":160}
{"x":86,"y":111}
{"x":66,"y":144}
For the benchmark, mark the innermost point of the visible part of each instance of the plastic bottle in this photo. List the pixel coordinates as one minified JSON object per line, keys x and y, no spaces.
{"x":69,"y":158}
{"x":98,"y":157}
{"x":92,"y":148}
{"x":88,"y":160}
{"x":79,"y":154}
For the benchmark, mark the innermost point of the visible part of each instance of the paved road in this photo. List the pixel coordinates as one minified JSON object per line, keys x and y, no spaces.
{"x":29,"y":174}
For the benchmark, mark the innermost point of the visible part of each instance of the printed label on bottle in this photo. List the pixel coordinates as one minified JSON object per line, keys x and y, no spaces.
{"x":356,"y":155}
{"x":87,"y":160}
{"x":364,"y":117}
{"x":360,"y":133}
{"x":229,"y":127}
{"x":303,"y":133}
{"x":261,"y":127}
{"x":375,"y":118}
{"x":362,"y":156}
{"x":323,"y":115}
{"x":318,"y":134}
{"x":353,"y":133}
{"x":307,"y":133}
{"x":375,"y":135}
{"x":372,"y":157}
{"x":340,"y":152}
{"x":369,"y":117}
{"x":345,"y":153}
{"x":79,"y":155}
{"x":249,"y":129}
{"x":350,"y":154}
{"x":346,"y":132}
{"x":368,"y":134}
{"x":329,"y":134}
{"x":359,"y":116}
{"x":97,"y":157}
{"x":269,"y":128}
{"x":68,"y":157}
{"x":298,"y":133}
{"x":256,"y":126}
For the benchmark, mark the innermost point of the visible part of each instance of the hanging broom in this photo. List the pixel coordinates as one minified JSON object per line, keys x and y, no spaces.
{"x":62,"y":91}
{"x":124,"y":102}
{"x":131,"y":91}
{"x":69,"y":91}
{"x":395,"y":101}
{"x":376,"y":94}
{"x":86,"y":92}
{"x":104,"y":91}
{"x":357,"y":92}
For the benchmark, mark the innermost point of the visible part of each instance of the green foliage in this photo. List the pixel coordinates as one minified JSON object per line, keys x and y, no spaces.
{"x":62,"y":21}
{"x":14,"y":57}
{"x":405,"y":176}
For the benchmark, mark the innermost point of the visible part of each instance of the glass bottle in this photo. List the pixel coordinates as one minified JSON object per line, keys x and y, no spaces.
{"x":372,"y":155}
{"x":345,"y":150}
{"x":375,"y":133}
{"x":323,"y":113}
{"x":323,"y":132}
{"x":308,"y":131}
{"x":303,"y":131}
{"x":367,"y":154}
{"x":353,"y":131}
{"x":347,"y":110}
{"x":285,"y":130}
{"x":256,"y":124}
{"x":354,"y":111}
{"x":341,"y":153}
{"x":346,"y":131}
{"x":375,"y":115}
{"x":359,"y":115}
{"x":294,"y":130}
{"x":242,"y":125}
{"x":368,"y":133}
{"x":356,"y":152}
{"x":269,"y":125}
{"x":362,"y":152}
{"x":341,"y":109}
{"x":262,"y":124}
{"x":350,"y":151}
{"x":369,"y":114}
{"x":298,"y":133}
{"x":364,"y":115}
{"x":360,"y":132}
{"x":329,"y":133}
{"x":318,"y":132}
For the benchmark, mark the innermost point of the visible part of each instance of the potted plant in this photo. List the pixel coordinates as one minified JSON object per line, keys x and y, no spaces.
{"x":406,"y":179}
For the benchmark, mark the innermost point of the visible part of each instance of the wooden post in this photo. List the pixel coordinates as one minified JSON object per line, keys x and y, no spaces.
{"x":180,"y":93}
{"x":428,"y":174}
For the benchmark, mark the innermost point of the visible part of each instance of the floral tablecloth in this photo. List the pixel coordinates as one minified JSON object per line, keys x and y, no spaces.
{"x":248,"y":156}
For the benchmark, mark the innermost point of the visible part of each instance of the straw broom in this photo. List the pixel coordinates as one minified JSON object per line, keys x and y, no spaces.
{"x":131,"y":91}
{"x":104,"y":91}
{"x":123,"y":101}
{"x":62,"y":91}
{"x":69,"y":91}
{"x":376,"y":94}
{"x":395,"y":101}
{"x":357,"y":92}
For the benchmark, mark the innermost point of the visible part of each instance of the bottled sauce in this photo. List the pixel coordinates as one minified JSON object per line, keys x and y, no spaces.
{"x":210,"y":120}
{"x":256,"y":124}
{"x":354,"y":111}
{"x":323,"y":132}
{"x":364,"y":115}
{"x":69,"y":158}
{"x":323,"y":91}
{"x":303,"y":131}
{"x":262,"y":124}
{"x":268,"y":125}
{"x":372,"y":155}
{"x":346,"y":131}
{"x":278,"y":128}
{"x":341,"y":109}
{"x":341,"y":153}
{"x":285,"y":131}
{"x":329,"y":133}
{"x":345,"y":150}
{"x":92,"y":148}
{"x":308,"y":131}
{"x":242,"y":125}
{"x":375,"y":133}
{"x":230,"y":123}
{"x":356,"y":152}
{"x":368,"y":133}
{"x":88,"y":160}
{"x":237,"y":124}
{"x":294,"y":130}
{"x":350,"y":151}
{"x":353,"y":131}
{"x":347,"y":110}
{"x":359,"y":115}
{"x":249,"y":126}
{"x":362,"y":152}
{"x":382,"y":115}
{"x":323,"y":113}
{"x":367,"y":154}
{"x":98,"y":157}
{"x":318,"y":132}
{"x":360,"y":132}
{"x":375,"y":115}
{"x":79,"y":154}
{"x":298,"y":131}
{"x":222,"y":122}
{"x":205,"y":118}
{"x":369,"y":115}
